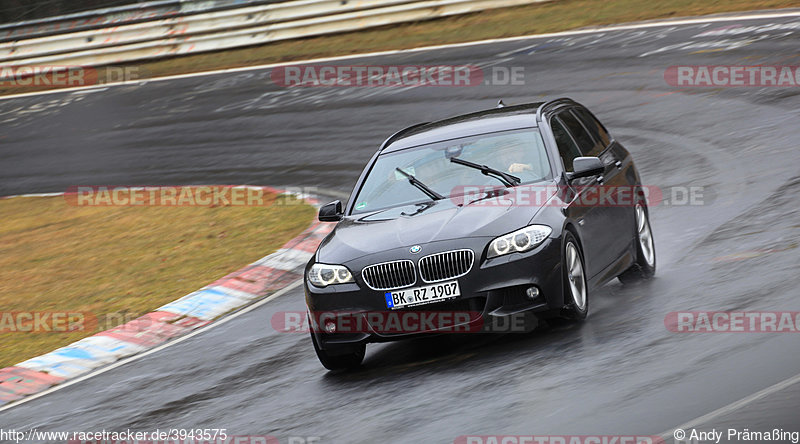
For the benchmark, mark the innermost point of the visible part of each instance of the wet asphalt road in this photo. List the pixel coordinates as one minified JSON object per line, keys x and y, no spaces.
{"x":620,"y":373}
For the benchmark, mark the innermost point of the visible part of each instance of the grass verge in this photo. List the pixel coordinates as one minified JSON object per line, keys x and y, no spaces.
{"x":559,"y":15}
{"x":55,"y":257}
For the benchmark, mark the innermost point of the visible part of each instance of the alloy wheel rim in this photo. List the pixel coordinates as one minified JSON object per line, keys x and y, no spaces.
{"x":575,"y":276}
{"x":645,"y":235}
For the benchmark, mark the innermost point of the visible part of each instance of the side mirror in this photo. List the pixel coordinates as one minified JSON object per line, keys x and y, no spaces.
{"x":586,"y":167}
{"x":331,"y":212}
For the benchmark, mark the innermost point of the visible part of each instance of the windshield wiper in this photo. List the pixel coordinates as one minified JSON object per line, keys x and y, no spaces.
{"x":507,"y":179}
{"x":424,"y":188}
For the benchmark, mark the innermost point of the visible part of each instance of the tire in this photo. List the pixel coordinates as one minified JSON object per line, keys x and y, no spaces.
{"x":645,"y":266}
{"x":348,"y":360}
{"x":576,"y":290}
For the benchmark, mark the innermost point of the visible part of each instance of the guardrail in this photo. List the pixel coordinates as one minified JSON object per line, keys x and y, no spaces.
{"x":219,"y":30}
{"x":178,"y":27}
{"x":120,"y":15}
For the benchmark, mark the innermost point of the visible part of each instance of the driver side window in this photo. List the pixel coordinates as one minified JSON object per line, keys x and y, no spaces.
{"x":566,"y":146}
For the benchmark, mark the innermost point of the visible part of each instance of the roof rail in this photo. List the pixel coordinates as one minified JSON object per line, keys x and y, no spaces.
{"x":399,"y":134}
{"x":552,"y":102}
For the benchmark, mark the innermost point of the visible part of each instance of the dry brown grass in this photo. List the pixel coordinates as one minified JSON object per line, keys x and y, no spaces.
{"x":60,"y":257}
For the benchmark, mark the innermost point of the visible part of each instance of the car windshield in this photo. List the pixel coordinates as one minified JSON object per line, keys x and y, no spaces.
{"x":519,"y":153}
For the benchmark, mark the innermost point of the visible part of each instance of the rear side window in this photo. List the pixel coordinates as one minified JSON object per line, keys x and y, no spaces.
{"x":566,"y":146}
{"x":595,"y":128}
{"x":585,"y":142}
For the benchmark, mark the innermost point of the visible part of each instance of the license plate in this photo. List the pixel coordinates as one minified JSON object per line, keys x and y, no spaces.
{"x":422,"y":295}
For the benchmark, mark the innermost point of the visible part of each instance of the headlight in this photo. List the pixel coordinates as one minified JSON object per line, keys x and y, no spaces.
{"x":322,"y":275}
{"x":525,"y":239}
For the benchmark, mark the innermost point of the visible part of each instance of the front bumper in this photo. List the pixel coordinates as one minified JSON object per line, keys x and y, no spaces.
{"x":494,"y":288}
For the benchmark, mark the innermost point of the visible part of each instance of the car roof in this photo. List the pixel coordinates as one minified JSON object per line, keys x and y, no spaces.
{"x":482,"y":122}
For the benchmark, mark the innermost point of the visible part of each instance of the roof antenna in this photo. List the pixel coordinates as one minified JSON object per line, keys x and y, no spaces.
{"x":501,"y":104}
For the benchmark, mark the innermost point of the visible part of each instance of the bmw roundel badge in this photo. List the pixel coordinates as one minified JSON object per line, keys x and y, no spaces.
{"x":415,"y":249}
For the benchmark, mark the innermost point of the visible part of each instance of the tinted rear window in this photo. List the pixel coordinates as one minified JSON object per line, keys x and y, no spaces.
{"x":585,"y":142}
{"x":595,"y":128}
{"x":566,"y":146}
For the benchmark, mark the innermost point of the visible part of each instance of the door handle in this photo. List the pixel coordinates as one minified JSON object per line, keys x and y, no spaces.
{"x":618,"y":164}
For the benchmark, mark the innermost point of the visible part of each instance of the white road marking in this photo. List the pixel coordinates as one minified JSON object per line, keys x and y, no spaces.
{"x":222,"y":321}
{"x":733,"y":406}
{"x":34,"y":195}
{"x":653,"y":24}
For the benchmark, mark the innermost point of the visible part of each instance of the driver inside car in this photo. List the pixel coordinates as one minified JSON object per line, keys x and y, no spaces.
{"x":516,"y":158}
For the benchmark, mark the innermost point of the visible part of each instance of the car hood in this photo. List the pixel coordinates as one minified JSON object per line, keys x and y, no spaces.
{"x":364,"y":234}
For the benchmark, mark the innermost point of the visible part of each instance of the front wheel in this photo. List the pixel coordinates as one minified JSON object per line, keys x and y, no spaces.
{"x":576,"y":292}
{"x":645,"y":265}
{"x":347,"y":360}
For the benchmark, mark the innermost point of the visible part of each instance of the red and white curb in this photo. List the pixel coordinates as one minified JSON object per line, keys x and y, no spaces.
{"x":198,"y":309}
